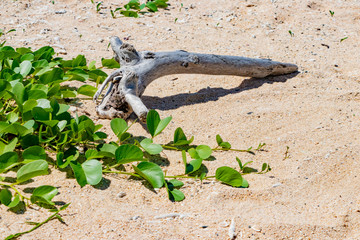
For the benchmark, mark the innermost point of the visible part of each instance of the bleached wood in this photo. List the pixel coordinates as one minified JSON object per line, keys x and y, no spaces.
{"x":139,"y":69}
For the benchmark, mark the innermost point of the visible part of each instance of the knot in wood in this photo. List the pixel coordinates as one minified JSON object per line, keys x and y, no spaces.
{"x":128,"y":54}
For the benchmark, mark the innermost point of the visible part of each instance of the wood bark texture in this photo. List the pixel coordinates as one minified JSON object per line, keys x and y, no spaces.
{"x":138,"y":69}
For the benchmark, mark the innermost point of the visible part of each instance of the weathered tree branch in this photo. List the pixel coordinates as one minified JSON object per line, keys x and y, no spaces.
{"x":139,"y":69}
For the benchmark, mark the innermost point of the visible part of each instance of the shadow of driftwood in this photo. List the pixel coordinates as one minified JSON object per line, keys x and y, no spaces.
{"x":209,"y":94}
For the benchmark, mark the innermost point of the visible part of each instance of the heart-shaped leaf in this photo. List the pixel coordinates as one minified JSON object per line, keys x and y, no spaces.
{"x":221,"y":143}
{"x":201,"y":152}
{"x":151,"y":147}
{"x":231,"y":177}
{"x":151,"y":173}
{"x":162,"y":125}
{"x":119,"y":126}
{"x":154,"y":124}
{"x":180,"y":138}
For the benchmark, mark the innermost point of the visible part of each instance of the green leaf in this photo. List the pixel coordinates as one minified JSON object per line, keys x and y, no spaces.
{"x":55,"y":74}
{"x":240,"y":163}
{"x":218,"y":139}
{"x":151,"y":173}
{"x":180,"y":138}
{"x":119,"y":126}
{"x":20,"y":93}
{"x":152,"y":6}
{"x":108,"y":150}
{"x":5,"y":196}
{"x":231,"y":177}
{"x":44,"y":103}
{"x":54,"y":90}
{"x":133,"y":4}
{"x":183,"y":153}
{"x":110,"y":63}
{"x":37,"y":94}
{"x":92,"y":154}
{"x":150,"y":147}
{"x":162,"y":125}
{"x":61,"y":125}
{"x":40,"y":114}
{"x":29,"y":140}
{"x":9,"y":147}
{"x":79,"y":173}
{"x":32,"y":169}
{"x":92,"y":65}
{"x":62,"y":108}
{"x":25,"y":68}
{"x":203,"y":151}
{"x":87,"y":90}
{"x":176,"y":183}
{"x":154,"y":124}
{"x":221,"y":143}
{"x":65,"y":206}
{"x":93,"y":171}
{"x":69,"y":158}
{"x":44,"y":53}
{"x":128,"y":153}
{"x":176,"y":195}
{"x":14,"y":128}
{"x":76,"y":74}
{"x":44,"y":194}
{"x":152,"y":121}
{"x":193,"y":166}
{"x":225,"y":145}
{"x":80,"y":60}
{"x":34,"y":153}
{"x":15,"y":201}
{"x":129,"y":13}
{"x":27,"y":57}
{"x":12,"y":117}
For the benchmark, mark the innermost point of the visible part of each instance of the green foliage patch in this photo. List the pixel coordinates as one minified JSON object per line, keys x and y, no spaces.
{"x":37,"y":131}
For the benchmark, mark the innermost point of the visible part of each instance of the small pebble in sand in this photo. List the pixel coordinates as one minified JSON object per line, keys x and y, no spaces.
{"x":135,"y":218}
{"x":63,"y":11}
{"x":224,"y":224}
{"x":121,"y":194}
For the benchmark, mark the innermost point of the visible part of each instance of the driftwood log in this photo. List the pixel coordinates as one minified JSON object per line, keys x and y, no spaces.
{"x":138,"y":69}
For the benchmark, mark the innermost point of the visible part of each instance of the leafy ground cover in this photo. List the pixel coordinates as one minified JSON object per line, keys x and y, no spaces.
{"x":134,"y":8}
{"x":37,"y":132}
